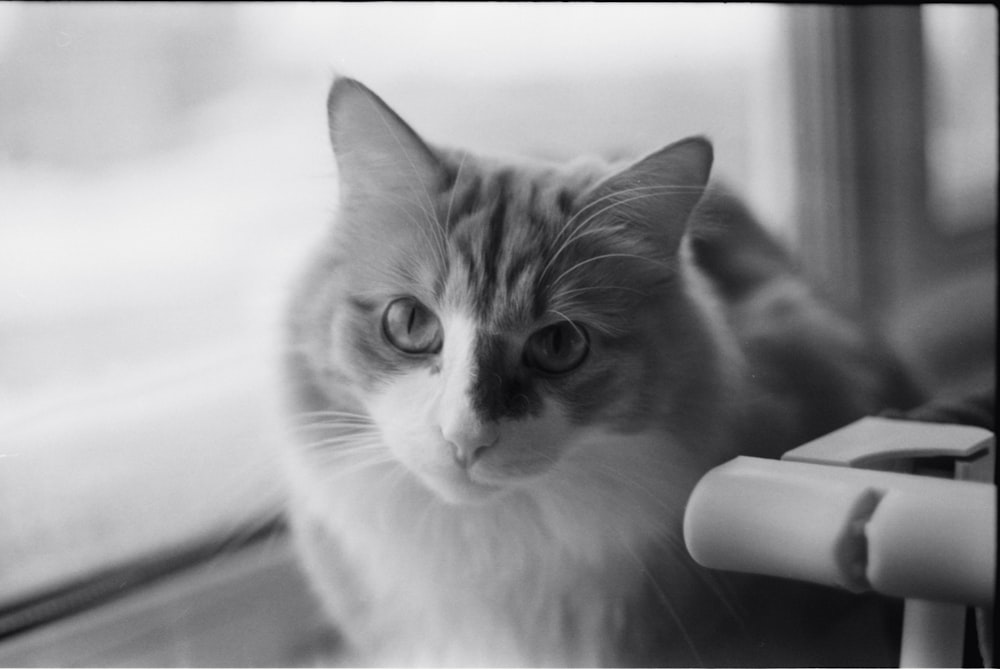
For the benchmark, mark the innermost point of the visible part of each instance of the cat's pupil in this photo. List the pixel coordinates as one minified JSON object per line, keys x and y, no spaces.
{"x":557,"y":341}
{"x":564,"y":339}
{"x":410,"y":327}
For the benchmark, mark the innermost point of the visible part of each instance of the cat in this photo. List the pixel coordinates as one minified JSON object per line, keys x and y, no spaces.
{"x":507,"y":376}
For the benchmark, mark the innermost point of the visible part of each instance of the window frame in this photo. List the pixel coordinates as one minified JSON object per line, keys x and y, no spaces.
{"x":861,"y":111}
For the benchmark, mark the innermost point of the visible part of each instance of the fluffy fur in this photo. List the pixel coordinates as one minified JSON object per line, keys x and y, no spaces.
{"x":463,"y":504}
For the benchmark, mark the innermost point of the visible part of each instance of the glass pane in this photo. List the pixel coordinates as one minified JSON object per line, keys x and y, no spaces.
{"x":162,"y":166}
{"x":961,"y":43}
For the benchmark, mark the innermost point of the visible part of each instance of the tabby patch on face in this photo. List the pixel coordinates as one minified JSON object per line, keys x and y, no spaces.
{"x":466,"y":427}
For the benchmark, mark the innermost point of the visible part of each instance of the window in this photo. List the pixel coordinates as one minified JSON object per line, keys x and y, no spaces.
{"x":961,"y":61}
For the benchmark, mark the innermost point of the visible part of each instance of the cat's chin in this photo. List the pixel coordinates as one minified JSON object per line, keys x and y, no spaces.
{"x":458,"y":489}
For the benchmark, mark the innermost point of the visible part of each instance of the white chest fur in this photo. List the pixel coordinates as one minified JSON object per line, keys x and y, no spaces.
{"x":537,"y":578}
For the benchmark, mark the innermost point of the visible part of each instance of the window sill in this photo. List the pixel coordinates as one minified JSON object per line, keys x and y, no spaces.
{"x":250,"y":608}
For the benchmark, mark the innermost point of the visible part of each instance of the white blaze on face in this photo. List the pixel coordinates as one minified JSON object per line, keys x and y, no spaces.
{"x":427,"y":420}
{"x":465,"y":431}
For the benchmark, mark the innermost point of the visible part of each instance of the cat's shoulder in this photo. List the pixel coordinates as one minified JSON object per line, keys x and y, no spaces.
{"x":732,"y":247}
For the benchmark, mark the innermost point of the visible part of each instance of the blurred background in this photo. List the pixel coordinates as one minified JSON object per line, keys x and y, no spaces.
{"x":163,"y":166}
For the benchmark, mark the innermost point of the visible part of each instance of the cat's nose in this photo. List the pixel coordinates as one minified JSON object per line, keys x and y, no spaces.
{"x":469,"y":438}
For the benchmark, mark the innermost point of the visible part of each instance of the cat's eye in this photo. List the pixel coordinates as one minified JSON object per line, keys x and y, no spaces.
{"x":411,"y":327}
{"x":558,"y":348}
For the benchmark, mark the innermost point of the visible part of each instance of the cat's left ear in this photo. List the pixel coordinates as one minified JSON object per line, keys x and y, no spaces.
{"x":661,"y":190}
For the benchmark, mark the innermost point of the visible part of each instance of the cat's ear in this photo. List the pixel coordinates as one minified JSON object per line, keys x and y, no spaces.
{"x":660,"y":190}
{"x":380,"y":159}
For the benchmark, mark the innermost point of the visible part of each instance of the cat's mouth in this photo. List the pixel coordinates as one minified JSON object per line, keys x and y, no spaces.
{"x":514,"y":462}
{"x":481,"y":482}
{"x":456,"y":485}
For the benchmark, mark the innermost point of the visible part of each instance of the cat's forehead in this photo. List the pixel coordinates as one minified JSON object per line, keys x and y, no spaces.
{"x":504,"y":225}
{"x":472,"y":182}
{"x":511,"y":197}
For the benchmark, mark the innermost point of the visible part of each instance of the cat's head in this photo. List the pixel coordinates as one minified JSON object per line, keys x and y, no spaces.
{"x":490,"y":318}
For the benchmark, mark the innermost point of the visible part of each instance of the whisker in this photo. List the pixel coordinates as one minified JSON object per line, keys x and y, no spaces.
{"x":578,"y":230}
{"x":345,"y":444}
{"x":583,"y":289}
{"x":602,"y":257}
{"x":331,"y":417}
{"x":359,"y":466}
{"x":347,"y":427}
{"x":330,"y":412}
{"x":656,"y":191}
{"x":665,"y":600}
{"x":671,"y":542}
{"x":330,"y":456}
{"x":671,"y":509}
{"x":713,"y":584}
{"x":338,"y":432}
{"x":594,"y":203}
{"x":575,"y":327}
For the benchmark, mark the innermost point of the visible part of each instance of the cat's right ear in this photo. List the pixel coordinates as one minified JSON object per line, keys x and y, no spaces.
{"x":660,"y":190}
{"x":380,"y":159}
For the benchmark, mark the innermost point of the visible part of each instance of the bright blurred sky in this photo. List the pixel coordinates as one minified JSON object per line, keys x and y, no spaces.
{"x":376,"y":40}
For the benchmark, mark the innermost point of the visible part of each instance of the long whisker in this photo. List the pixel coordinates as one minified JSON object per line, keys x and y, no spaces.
{"x":578,"y":231}
{"x":346,"y":443}
{"x":665,"y":600}
{"x":710,"y":582}
{"x":637,"y":485}
{"x":594,"y":203}
{"x":572,"y":324}
{"x":342,"y":448}
{"x":602,"y":257}
{"x":333,"y":421}
{"x":344,"y":426}
{"x":353,"y":469}
{"x":633,"y":196}
{"x":329,"y":412}
{"x":583,"y":289}
{"x":672,"y":543}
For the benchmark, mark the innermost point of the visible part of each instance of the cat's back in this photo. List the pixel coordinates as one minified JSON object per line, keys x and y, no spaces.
{"x":811,"y":366}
